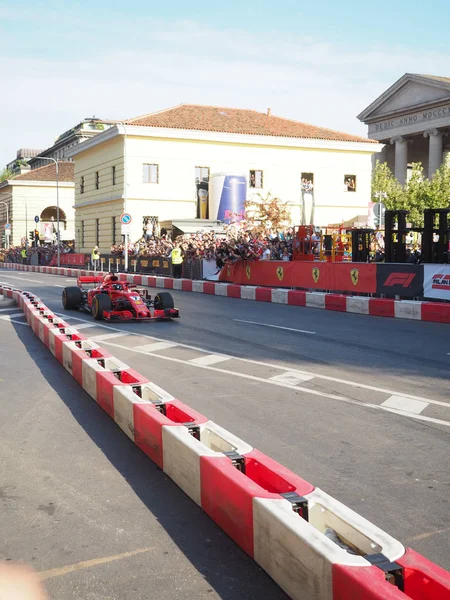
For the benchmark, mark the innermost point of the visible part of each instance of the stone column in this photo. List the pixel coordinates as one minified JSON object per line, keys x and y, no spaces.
{"x":434,"y":150}
{"x":401,"y":158}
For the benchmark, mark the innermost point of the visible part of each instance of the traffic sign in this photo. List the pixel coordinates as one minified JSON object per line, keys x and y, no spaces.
{"x":7,"y":226}
{"x":36,"y":219}
{"x":379,"y":211}
{"x":126,"y":229}
{"x":7,"y":232}
{"x":125,"y":218}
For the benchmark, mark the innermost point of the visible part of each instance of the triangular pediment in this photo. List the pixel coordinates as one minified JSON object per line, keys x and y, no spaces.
{"x":409,"y":93}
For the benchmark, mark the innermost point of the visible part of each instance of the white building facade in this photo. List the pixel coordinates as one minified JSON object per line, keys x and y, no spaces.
{"x":152,"y":170}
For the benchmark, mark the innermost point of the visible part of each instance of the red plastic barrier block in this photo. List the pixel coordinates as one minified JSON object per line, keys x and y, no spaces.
{"x":436,"y":311}
{"x":186,"y":285}
{"x":77,"y":361}
{"x":209,"y":288}
{"x":263,"y":294}
{"x":137,"y":280}
{"x":381,"y":307}
{"x":106,"y":380}
{"x":149,"y":421}
{"x":151,"y":281}
{"x":234,"y":291}
{"x":297,"y":298}
{"x":336,"y":302}
{"x":168,"y":283}
{"x":227,"y":494}
{"x":122,"y":276}
{"x":423,"y":579}
{"x":363,"y":583}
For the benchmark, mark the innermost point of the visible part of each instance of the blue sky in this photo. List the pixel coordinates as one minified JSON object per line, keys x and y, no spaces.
{"x":318,"y":62}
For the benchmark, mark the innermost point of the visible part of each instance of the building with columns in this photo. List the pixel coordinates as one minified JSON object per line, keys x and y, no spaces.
{"x":412,"y":119}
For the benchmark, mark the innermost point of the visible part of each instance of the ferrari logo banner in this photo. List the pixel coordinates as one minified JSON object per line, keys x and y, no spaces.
{"x":354,"y":274}
{"x":248,"y":271}
{"x":280,"y":273}
{"x":315,"y":274}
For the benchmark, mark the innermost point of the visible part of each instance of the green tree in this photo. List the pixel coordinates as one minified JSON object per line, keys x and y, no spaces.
{"x":384,"y":181}
{"x":6,"y":174}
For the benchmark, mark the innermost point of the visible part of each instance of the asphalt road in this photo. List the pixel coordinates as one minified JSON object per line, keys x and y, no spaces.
{"x":358,"y":405}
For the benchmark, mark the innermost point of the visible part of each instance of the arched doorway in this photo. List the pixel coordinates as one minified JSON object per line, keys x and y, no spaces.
{"x":49,"y":214}
{"x":48,"y":223}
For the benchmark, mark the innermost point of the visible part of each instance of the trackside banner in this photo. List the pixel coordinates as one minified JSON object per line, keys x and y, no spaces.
{"x":436,"y":282}
{"x":396,"y":279}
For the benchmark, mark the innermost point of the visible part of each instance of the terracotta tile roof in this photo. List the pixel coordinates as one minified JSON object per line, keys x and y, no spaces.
{"x":236,"y":120}
{"x":66,"y":172}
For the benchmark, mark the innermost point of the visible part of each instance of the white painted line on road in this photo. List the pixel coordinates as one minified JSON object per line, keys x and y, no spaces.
{"x":107,"y":336}
{"x":56,"y":285}
{"x":293,"y":387}
{"x":291,"y":377}
{"x":6,"y":309}
{"x":23,"y":278}
{"x":13,"y":315}
{"x":84,"y":325}
{"x":4,"y":318}
{"x":154,"y":347}
{"x":210,"y":359}
{"x":275,"y":326}
{"x":405,"y":404}
{"x":358,"y":384}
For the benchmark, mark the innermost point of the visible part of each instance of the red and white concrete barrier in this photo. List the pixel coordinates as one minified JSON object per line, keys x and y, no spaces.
{"x":313,"y":546}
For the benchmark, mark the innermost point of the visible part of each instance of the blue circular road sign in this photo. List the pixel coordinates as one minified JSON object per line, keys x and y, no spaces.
{"x":36,"y":219}
{"x":125,"y":218}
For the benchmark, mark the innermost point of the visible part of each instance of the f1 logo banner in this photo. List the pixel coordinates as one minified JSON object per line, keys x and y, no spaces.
{"x":437,"y":282}
{"x":400,"y":280}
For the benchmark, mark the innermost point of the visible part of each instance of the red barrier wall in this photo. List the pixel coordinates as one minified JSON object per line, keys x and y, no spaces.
{"x":345,"y":277}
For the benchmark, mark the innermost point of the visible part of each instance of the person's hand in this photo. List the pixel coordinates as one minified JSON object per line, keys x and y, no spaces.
{"x":18,"y":582}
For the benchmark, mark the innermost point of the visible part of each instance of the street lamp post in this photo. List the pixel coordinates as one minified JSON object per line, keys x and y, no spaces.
{"x":57,"y":204}
{"x":125,"y":188}
{"x":7,"y":220}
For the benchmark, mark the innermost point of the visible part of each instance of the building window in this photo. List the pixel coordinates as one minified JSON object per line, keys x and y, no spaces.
{"x":201,"y":174}
{"x":113,"y":228}
{"x":349,"y":183}
{"x":97,"y":232}
{"x":307,"y":182}
{"x":97,"y":180}
{"x":150,"y":173}
{"x":82,"y":185}
{"x":82,"y":233}
{"x":256,"y":179}
{"x":114,"y":175}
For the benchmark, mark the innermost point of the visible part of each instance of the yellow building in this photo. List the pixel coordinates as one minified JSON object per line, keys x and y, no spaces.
{"x":150,"y":167}
{"x":34,"y":194}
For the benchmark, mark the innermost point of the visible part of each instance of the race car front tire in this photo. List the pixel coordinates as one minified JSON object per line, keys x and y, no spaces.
{"x":163,"y":300}
{"x":72,"y":298}
{"x":100,"y":304}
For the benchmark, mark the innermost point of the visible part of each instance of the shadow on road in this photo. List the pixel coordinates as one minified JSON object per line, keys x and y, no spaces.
{"x":227,"y":569}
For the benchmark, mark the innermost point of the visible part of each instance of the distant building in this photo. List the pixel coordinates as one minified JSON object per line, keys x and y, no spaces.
{"x":21,"y":163}
{"x":153,"y":167}
{"x":34,"y":194}
{"x":69,"y":139}
{"x":412,"y":119}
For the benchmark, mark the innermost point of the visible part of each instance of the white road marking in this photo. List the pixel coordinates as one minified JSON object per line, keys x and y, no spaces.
{"x":275,"y":326}
{"x":107,"y":336}
{"x":291,"y":387}
{"x":84,"y":325}
{"x":291,"y":377}
{"x":23,"y":278}
{"x":6,"y":309}
{"x":3,"y":318}
{"x":209,"y":359}
{"x":56,"y":285}
{"x":155,"y":347}
{"x":405,"y":404}
{"x":13,"y":315}
{"x":277,"y":366}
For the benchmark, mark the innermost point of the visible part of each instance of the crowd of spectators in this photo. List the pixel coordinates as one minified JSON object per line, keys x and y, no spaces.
{"x":230,"y":244}
{"x":44,"y":252}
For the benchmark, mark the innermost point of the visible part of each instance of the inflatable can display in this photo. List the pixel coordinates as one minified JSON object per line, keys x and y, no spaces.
{"x":227,"y":195}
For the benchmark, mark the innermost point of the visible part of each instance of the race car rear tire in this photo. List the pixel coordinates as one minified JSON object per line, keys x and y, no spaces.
{"x":101,"y":303}
{"x":163,"y":300}
{"x":72,"y":298}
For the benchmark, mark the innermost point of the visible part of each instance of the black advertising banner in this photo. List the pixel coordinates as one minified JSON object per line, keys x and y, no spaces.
{"x":396,"y":279}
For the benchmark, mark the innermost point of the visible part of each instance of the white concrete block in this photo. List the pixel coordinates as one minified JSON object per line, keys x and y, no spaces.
{"x":408,"y":309}
{"x":89,"y":368}
{"x":220,"y":289}
{"x":315,"y":299}
{"x":280,"y":296}
{"x":177,"y":284}
{"x":159,"y":282}
{"x":197,"y":286}
{"x":358,"y":304}
{"x":248,"y":292}
{"x":124,"y":400}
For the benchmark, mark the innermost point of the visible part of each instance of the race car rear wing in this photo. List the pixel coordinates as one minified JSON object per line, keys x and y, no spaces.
{"x":90,"y":279}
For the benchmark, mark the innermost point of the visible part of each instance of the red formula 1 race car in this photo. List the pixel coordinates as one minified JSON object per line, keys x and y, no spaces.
{"x":118,"y":301}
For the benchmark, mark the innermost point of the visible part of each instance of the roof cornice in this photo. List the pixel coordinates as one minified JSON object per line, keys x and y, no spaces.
{"x":223,"y":137}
